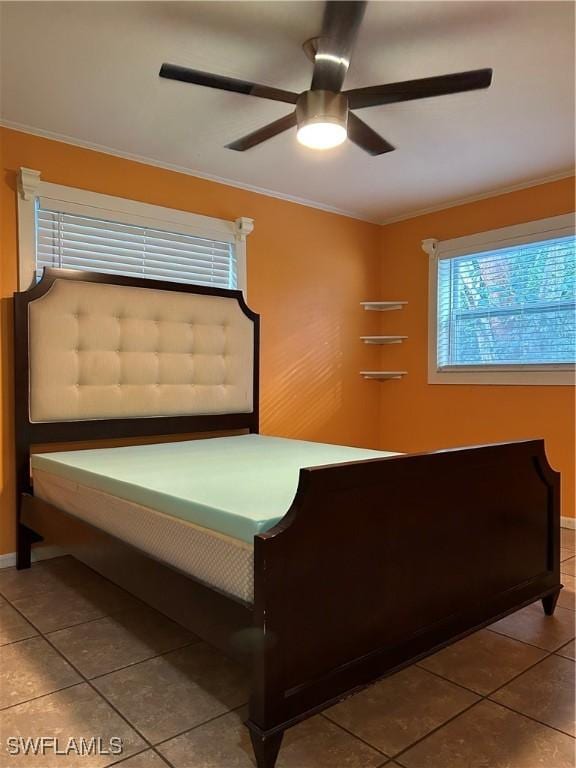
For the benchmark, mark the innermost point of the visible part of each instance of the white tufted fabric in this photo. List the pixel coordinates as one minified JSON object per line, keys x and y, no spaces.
{"x":102,"y":351}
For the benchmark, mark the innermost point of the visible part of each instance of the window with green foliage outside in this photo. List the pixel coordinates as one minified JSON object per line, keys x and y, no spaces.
{"x":507,"y":307}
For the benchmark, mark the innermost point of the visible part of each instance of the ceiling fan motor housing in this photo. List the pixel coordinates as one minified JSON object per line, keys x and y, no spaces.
{"x":322,"y":107}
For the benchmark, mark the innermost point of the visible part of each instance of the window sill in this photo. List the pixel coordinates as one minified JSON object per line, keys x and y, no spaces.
{"x":518,"y":377}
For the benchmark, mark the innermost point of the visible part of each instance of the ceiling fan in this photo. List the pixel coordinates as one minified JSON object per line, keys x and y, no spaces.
{"x":323,"y":113}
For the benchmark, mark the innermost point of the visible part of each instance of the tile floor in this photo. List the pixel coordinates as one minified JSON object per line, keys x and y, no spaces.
{"x":79,"y":657}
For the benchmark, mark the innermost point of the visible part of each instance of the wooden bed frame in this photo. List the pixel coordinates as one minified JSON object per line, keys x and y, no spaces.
{"x":376,"y":564}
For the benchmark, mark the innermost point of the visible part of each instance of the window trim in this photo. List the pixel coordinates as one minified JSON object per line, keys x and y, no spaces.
{"x":521,"y":374}
{"x":31,"y":188}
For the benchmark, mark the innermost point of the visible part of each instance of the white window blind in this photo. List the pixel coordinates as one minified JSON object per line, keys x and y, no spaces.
{"x":75,"y":241}
{"x":510,"y":306}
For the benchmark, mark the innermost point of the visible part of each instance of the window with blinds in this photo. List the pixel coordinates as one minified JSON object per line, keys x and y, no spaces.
{"x":75,"y":241}
{"x":510,"y":306}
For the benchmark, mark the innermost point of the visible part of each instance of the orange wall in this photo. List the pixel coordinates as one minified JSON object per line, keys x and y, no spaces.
{"x":307,"y":272}
{"x":418,"y":416}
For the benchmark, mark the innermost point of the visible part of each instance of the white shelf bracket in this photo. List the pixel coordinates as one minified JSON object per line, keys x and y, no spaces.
{"x":382,"y":306}
{"x":382,"y":375}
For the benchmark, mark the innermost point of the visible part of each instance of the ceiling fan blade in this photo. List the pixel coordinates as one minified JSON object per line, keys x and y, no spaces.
{"x":339,"y":29}
{"x":367,"y":139}
{"x":263,"y":134}
{"x":391,"y":93}
{"x":194,"y":76}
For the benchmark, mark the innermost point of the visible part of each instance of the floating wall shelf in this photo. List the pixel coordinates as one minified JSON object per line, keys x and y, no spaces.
{"x":383,"y":306}
{"x":383,"y":339}
{"x":382,"y":374}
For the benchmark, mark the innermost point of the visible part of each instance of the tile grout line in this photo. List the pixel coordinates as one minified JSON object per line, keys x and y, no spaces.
{"x":149,"y":744}
{"x":487,"y":696}
{"x":471,"y":690}
{"x":435,"y":730}
{"x":530,"y":717}
{"x":45,"y":634}
{"x":79,"y":623}
{"x":141,"y":661}
{"x":21,"y":639}
{"x":148,"y":749}
{"x":165,"y":759}
{"x":482,"y":698}
{"x":479,"y":700}
{"x":557,"y":652}
{"x":59,"y":629}
{"x":124,"y":759}
{"x":111,"y":614}
{"x":531,"y":645}
{"x":103,"y":697}
{"x":355,"y":736}
{"x":93,"y":573}
{"x":98,"y":693}
{"x":199,"y":725}
{"x":41,"y":696}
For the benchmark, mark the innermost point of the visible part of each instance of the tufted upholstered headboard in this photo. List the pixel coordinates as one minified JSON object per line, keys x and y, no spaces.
{"x":100,"y":356}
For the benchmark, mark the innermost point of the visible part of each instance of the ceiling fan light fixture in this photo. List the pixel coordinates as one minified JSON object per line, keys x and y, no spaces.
{"x":321,"y":135}
{"x":322,"y":118}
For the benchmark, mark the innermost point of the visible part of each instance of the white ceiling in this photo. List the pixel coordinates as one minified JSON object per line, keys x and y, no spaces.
{"x":89,"y":72}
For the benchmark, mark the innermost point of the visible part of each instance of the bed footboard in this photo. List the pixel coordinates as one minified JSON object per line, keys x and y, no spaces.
{"x":380,"y":562}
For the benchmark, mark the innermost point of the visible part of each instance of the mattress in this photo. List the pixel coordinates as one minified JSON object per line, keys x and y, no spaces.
{"x":217,"y":560}
{"x":195,"y":505}
{"x":237,"y":486}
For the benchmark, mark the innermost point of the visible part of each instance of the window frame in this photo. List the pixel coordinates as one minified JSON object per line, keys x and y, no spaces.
{"x":32,"y":188}
{"x":521,"y":374}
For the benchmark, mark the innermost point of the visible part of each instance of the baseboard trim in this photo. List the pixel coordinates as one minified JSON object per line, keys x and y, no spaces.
{"x":568,"y":522}
{"x":38,"y":553}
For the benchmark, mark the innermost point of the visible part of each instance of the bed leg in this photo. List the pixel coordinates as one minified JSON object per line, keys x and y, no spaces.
{"x":266,"y":748}
{"x":549,"y":602}
{"x":23,"y":547}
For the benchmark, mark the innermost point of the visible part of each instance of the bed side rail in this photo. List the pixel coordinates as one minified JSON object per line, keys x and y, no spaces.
{"x":379,"y":561}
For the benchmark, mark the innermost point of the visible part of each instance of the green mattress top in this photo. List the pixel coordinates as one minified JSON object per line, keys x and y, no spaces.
{"x":238,"y":486}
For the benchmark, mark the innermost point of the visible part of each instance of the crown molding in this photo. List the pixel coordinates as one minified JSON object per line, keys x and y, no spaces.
{"x":496,"y":192}
{"x":64,"y":139}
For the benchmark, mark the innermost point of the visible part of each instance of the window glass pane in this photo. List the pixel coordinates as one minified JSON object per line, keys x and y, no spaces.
{"x":508,"y":307}
{"x":82,"y":242}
